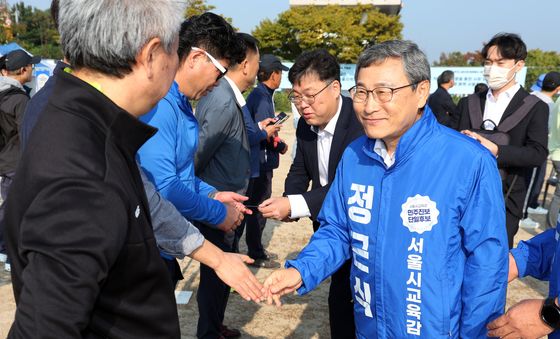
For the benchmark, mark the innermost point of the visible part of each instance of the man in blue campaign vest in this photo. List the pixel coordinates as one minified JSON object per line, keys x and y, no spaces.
{"x":429,"y":251}
{"x":533,"y":318}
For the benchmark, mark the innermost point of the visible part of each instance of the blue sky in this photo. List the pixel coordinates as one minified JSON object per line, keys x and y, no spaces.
{"x":439,"y":25}
{"x":435,"y":25}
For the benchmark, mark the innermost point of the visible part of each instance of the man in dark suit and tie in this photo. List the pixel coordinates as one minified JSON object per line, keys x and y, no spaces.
{"x":504,"y":55}
{"x":328,"y":126}
{"x":441,"y":102}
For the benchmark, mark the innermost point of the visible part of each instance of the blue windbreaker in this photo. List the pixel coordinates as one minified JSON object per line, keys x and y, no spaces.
{"x":536,"y":257}
{"x":427,"y":236}
{"x":168,"y":159}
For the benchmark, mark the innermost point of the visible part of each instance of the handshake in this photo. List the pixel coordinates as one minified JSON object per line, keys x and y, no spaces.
{"x":231,"y":269}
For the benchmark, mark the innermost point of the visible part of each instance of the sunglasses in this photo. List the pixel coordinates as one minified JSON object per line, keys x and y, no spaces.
{"x":215,"y":62}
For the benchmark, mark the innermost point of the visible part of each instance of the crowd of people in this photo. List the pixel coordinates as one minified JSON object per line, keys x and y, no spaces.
{"x":109,"y":176}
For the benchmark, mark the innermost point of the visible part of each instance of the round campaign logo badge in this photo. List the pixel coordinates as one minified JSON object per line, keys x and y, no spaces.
{"x":419,"y":214}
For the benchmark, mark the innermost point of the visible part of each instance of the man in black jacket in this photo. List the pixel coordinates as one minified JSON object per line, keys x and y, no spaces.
{"x":328,"y":126}
{"x":504,"y":56}
{"x":78,"y":231}
{"x":441,"y":102}
{"x":17,"y":69}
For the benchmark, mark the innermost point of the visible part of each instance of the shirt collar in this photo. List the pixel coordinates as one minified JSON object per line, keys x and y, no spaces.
{"x":238,"y":95}
{"x":268,"y":90}
{"x":543,"y":97}
{"x":381,"y":150}
{"x":331,"y":125}
{"x":507,"y":94}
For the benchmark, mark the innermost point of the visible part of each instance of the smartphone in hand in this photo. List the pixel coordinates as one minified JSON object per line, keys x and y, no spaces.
{"x":279,"y":119}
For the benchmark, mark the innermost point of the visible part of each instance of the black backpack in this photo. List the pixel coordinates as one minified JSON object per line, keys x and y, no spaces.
{"x":499,"y":135}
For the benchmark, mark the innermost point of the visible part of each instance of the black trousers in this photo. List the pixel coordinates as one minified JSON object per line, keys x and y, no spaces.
{"x":341,"y":306}
{"x":259,"y":189}
{"x":213,"y":294}
{"x":512,"y":226}
{"x":5,"y":182}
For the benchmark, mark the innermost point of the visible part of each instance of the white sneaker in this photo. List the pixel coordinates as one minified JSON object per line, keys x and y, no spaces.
{"x":528,"y":224}
{"x":538,"y":210}
{"x":3,"y":257}
{"x":7,"y":267}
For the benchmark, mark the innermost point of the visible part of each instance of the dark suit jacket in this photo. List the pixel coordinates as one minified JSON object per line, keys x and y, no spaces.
{"x":223,"y":155}
{"x":443,"y":107}
{"x":305,"y":167}
{"x":527,"y":148}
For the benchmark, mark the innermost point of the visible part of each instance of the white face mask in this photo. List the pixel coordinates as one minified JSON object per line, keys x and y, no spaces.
{"x":497,"y":77}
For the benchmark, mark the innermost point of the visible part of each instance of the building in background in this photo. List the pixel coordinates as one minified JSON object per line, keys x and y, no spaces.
{"x":392,"y":7}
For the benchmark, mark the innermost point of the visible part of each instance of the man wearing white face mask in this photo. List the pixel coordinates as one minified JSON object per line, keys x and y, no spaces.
{"x":506,"y":103}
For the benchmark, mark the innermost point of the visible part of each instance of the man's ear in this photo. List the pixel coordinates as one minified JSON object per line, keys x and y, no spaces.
{"x":337,"y":86}
{"x":148,"y":55}
{"x":423,"y":91}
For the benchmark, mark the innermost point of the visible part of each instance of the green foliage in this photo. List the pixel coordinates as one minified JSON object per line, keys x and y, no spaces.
{"x":35,"y":31}
{"x":197,"y":7}
{"x":539,"y":62}
{"x":343,"y":30}
{"x":281,"y":102}
{"x":460,"y":59}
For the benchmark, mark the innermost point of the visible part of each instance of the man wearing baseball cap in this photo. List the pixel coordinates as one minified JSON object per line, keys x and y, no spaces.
{"x":260,"y":104}
{"x":17,"y":69}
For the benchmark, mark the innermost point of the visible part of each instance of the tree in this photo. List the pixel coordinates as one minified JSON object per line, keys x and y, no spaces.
{"x":34,"y":30}
{"x":343,"y":30}
{"x":539,"y":62}
{"x":197,"y":7}
{"x":460,"y":59}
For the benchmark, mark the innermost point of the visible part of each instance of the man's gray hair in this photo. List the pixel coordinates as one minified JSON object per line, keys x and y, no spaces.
{"x":107,"y":35}
{"x":415,"y":63}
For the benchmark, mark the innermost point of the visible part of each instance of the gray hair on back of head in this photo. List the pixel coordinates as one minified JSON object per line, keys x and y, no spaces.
{"x":107,"y":35}
{"x":415,"y":62}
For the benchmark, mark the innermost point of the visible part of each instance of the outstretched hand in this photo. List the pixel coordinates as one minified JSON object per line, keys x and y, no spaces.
{"x":233,"y":271}
{"x":280,"y":282}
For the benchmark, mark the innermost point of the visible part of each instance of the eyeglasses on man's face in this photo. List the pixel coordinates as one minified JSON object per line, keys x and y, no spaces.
{"x":381,"y":95}
{"x":308,"y":99}
{"x":223,"y":71}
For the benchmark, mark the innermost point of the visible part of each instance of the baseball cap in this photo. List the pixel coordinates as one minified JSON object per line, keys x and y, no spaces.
{"x":537,"y":86}
{"x":270,"y":63}
{"x":19,"y":58}
{"x":551,"y":81}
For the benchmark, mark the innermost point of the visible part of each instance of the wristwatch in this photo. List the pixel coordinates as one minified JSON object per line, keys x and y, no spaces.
{"x":550,"y":313}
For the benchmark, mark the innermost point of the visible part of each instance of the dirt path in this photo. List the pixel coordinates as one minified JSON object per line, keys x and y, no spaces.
{"x":300,"y":317}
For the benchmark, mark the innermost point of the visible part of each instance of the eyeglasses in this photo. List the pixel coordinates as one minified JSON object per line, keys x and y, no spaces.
{"x":309,"y":99}
{"x":381,"y":95}
{"x":215,"y":62}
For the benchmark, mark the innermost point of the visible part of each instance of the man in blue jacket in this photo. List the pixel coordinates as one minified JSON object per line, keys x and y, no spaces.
{"x":429,"y":252}
{"x":206,"y":45}
{"x":533,"y":318}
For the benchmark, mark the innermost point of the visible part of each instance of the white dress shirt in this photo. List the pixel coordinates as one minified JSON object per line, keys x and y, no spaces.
{"x":298,"y":206}
{"x":495,"y":107}
{"x":238,"y":95}
{"x":381,"y":150}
